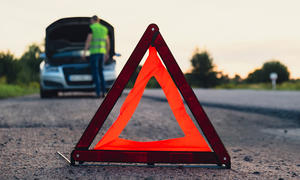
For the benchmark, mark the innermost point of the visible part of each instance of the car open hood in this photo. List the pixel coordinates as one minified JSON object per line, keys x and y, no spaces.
{"x":68,"y":35}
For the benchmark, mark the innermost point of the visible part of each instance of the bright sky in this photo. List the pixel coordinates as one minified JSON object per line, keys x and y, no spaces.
{"x":240,"y":35}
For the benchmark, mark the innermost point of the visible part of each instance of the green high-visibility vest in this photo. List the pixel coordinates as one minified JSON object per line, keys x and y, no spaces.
{"x":98,"y":43}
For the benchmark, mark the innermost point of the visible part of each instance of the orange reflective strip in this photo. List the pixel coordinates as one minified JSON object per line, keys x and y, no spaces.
{"x":192,"y":141}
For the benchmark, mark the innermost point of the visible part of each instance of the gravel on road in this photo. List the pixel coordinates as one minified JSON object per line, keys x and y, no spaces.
{"x":261,"y":146}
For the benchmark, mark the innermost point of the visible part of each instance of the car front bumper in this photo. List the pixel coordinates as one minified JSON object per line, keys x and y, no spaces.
{"x":58,"y":80}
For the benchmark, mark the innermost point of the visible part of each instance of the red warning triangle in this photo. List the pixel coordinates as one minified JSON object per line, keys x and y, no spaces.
{"x":192,"y":148}
{"x":192,"y":141}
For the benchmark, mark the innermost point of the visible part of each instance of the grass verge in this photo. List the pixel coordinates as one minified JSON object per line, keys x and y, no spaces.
{"x":10,"y":90}
{"x":291,"y":85}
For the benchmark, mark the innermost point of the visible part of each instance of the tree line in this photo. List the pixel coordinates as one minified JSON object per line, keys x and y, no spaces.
{"x":203,"y":72}
{"x":21,"y":70}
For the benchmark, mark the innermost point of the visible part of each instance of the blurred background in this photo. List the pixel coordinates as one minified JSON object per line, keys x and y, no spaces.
{"x":217,"y":44}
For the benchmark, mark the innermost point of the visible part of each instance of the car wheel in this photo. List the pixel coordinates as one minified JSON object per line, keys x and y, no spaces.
{"x":43,"y":93}
{"x":47,"y":94}
{"x":54,"y":93}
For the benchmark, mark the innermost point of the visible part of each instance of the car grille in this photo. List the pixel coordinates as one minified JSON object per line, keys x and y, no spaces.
{"x":52,"y":84}
{"x":74,"y":70}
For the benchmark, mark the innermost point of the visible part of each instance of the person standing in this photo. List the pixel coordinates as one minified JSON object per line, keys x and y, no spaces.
{"x":97,"y":42}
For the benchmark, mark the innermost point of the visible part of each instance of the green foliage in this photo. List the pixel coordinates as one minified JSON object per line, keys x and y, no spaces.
{"x":263,"y":74}
{"x":31,"y":62}
{"x":152,"y":83}
{"x":9,"y":90}
{"x":9,"y":67}
{"x":132,"y":79}
{"x":289,"y":85}
{"x":19,"y":76}
{"x":232,"y":85}
{"x":201,"y":62}
{"x":279,"y":68}
{"x":255,"y":76}
{"x":23,"y":70}
{"x":203,"y":74}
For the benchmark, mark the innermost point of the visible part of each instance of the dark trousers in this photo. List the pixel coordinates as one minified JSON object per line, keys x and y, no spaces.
{"x":96,"y":61}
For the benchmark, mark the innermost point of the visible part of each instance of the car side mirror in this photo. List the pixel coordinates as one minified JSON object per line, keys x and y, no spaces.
{"x":118,"y":54}
{"x":42,"y":55}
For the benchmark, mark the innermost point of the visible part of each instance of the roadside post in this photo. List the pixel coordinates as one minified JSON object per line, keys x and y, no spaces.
{"x":273,"y":77}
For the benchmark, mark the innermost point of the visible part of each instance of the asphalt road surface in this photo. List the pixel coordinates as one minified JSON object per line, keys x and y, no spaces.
{"x":260,"y":129}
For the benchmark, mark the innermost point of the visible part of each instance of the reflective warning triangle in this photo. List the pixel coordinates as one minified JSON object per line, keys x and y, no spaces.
{"x":192,"y":148}
{"x":192,"y":141}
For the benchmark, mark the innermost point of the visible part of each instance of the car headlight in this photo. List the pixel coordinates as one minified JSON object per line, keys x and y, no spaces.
{"x":51,"y":69}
